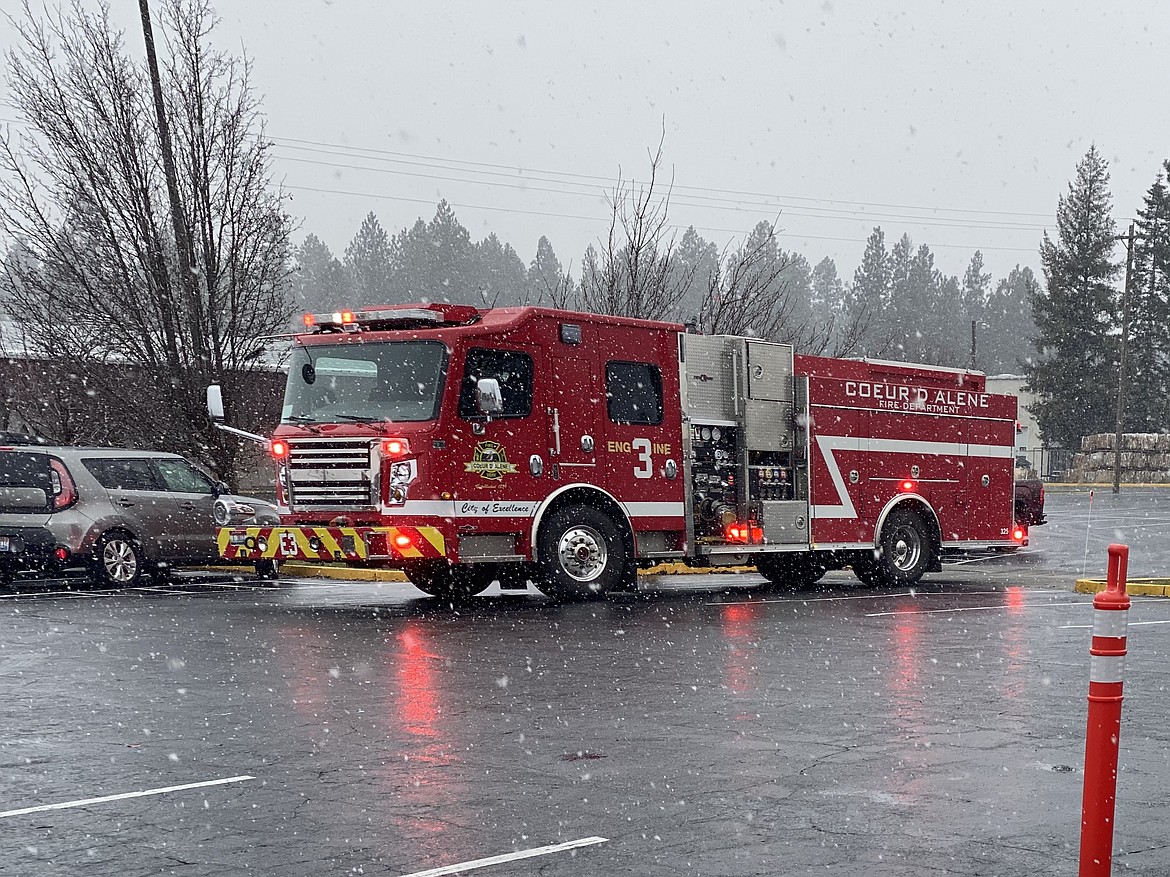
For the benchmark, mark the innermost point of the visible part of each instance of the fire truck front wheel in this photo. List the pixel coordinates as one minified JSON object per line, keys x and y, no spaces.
{"x":582,"y":554}
{"x":906,"y":550}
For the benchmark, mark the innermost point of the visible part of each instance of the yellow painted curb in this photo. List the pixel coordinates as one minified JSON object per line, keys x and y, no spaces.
{"x":1133,"y":587}
{"x":346,"y":573}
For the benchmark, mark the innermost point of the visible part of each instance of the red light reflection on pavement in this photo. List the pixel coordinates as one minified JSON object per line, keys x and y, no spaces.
{"x":740,"y":627}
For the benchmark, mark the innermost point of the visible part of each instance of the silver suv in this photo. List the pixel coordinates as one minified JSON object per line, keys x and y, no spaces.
{"x":114,"y":514}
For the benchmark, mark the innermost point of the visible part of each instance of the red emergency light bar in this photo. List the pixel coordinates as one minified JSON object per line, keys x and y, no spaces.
{"x":278,"y":448}
{"x":392,"y":317}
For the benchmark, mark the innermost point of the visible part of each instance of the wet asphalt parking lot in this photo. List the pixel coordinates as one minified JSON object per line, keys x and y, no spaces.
{"x":702,"y":727}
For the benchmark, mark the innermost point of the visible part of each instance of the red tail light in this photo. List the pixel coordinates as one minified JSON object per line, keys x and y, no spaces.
{"x":1019,"y":534}
{"x":64,"y":490}
{"x":61,"y":553}
{"x":278,"y":448}
{"x":745,"y":533}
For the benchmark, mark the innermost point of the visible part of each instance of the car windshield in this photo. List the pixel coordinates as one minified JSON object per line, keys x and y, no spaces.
{"x":377,"y":381}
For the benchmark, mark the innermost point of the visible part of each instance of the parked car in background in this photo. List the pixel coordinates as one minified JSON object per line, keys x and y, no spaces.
{"x":113,"y":514}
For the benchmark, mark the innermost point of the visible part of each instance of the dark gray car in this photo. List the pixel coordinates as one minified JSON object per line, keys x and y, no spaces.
{"x":112,"y":513}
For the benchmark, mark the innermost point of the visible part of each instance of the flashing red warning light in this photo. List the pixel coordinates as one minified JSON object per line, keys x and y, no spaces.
{"x":907,"y":485}
{"x":395,"y":447}
{"x":278,"y":449}
{"x":745,"y":533}
{"x":309,"y":320}
{"x":343,"y":317}
{"x":403,"y":541}
{"x":61,"y":553}
{"x":1019,"y":534}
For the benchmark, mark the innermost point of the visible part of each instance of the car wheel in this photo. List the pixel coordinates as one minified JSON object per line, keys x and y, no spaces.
{"x":268,"y":570}
{"x":451,"y":581}
{"x":118,"y":560}
{"x":791,"y":572}
{"x":582,"y":554}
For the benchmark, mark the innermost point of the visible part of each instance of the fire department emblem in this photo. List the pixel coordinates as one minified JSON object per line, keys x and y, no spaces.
{"x":490,"y":461}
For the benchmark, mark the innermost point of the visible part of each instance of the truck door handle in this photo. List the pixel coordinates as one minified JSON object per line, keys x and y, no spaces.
{"x":189,"y":506}
{"x":125,"y":503}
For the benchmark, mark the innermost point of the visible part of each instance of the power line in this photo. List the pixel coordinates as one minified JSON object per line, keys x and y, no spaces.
{"x":738,"y":206}
{"x":609,"y":181}
{"x":596,"y":219}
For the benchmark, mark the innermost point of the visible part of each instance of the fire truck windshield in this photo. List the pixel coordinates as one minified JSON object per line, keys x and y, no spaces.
{"x":374,"y":381}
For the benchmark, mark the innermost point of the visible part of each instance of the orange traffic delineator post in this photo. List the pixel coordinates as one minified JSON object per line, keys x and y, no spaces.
{"x":1106,"y":671}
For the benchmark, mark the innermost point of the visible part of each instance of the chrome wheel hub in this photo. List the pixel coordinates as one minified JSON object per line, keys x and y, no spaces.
{"x":907,"y":548}
{"x":582,"y":553}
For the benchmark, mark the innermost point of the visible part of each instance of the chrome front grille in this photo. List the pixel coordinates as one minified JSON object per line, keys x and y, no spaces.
{"x":331,"y":474}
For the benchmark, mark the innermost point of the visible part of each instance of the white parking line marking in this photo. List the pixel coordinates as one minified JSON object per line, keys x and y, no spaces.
{"x":796,"y":598}
{"x":508,"y":857}
{"x":1000,"y":607}
{"x":1090,"y":627}
{"x":82,"y":803}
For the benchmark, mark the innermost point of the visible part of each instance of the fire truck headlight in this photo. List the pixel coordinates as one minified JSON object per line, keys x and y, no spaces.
{"x":397,"y":495}
{"x":400,"y":472}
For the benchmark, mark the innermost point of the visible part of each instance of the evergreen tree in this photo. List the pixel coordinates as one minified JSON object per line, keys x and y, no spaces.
{"x":320,"y":282}
{"x":499,"y":274}
{"x":549,"y":284}
{"x":1074,"y":376}
{"x":696,"y":261}
{"x":867,"y":298}
{"x":975,"y":289}
{"x":1148,"y":344}
{"x":436,"y":261}
{"x":828,"y":292}
{"x":367,"y":259}
{"x":1007,"y":332}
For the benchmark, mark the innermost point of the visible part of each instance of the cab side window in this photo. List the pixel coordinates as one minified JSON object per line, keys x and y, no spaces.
{"x":633,"y":393}
{"x":511,"y":368}
{"x":123,"y":473}
{"x":181,"y":477}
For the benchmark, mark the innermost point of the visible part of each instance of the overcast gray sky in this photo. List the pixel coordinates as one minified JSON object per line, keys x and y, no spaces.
{"x":958,"y":123}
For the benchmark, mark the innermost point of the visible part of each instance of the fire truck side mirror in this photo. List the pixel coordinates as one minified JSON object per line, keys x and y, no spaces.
{"x":488,"y":396}
{"x":215,"y":402}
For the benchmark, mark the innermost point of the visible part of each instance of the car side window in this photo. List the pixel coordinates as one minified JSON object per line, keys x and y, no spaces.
{"x":511,"y":368}
{"x":123,"y":473}
{"x":179,"y":476}
{"x":633,"y":393}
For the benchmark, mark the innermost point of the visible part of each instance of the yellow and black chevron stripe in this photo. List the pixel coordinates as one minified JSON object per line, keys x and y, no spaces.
{"x":330,"y":543}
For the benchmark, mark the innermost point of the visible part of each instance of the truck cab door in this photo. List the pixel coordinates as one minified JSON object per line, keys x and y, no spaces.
{"x":576,"y":420}
{"x":490,"y":455}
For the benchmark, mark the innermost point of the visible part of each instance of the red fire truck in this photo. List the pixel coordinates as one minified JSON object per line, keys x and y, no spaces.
{"x":466,"y":446}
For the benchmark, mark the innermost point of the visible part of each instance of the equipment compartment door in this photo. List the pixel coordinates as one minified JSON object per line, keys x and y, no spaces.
{"x":990,"y":478}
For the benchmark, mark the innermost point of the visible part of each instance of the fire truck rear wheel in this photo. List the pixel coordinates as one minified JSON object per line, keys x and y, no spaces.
{"x":906,"y":549}
{"x":582,"y":554}
{"x":451,"y":582}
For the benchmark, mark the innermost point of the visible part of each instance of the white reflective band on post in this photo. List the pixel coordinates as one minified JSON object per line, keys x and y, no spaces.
{"x":1106,"y":668}
{"x":1110,"y":622}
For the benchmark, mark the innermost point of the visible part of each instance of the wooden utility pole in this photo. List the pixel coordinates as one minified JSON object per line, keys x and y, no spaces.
{"x":1117,"y":436}
{"x":178,"y":216}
